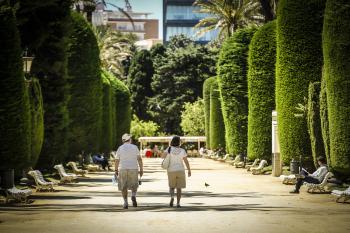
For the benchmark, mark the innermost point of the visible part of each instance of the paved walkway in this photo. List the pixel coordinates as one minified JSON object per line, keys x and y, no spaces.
{"x":235,"y":201}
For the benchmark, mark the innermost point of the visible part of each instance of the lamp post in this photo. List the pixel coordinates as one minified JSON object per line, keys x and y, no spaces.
{"x":27,"y":62}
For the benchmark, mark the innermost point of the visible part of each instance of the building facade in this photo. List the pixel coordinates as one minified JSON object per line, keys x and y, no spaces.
{"x":143,"y":27}
{"x":179,"y":17}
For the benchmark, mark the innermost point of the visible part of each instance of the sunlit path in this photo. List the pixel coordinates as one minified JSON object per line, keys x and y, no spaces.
{"x":234,"y":201}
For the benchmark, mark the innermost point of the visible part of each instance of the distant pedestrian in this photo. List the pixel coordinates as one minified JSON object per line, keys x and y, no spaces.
{"x":176,"y":170}
{"x":127,"y":163}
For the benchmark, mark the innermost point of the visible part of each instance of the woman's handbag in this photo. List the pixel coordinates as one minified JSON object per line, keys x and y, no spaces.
{"x":166,"y":161}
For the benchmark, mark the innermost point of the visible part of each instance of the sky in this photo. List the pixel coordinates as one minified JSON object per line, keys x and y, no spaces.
{"x":150,"y":6}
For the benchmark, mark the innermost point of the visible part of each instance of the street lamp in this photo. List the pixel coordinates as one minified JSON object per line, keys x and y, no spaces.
{"x":27,"y":62}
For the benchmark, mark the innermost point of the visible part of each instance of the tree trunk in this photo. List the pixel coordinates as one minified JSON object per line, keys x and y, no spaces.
{"x":267,"y":10}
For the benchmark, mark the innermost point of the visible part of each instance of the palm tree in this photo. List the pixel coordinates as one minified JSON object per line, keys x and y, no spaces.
{"x":115,"y":48}
{"x":228,"y":15}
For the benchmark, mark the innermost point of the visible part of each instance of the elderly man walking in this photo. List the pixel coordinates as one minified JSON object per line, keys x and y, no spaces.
{"x":127,"y":163}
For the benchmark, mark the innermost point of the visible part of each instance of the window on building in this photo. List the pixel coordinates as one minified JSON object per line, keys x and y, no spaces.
{"x":191,"y":33}
{"x":184,"y":13}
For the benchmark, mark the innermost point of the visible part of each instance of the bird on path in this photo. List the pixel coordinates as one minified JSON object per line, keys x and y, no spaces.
{"x":206,"y":185}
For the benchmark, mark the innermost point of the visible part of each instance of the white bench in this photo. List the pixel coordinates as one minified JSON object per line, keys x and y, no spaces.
{"x":76,"y":170}
{"x":65,"y":177}
{"x":20,"y":195}
{"x":345,"y":195}
{"x":289,"y":180}
{"x":259,"y":170}
{"x":252,"y":165}
{"x":233,"y":162}
{"x":313,"y":188}
{"x":41,"y":183}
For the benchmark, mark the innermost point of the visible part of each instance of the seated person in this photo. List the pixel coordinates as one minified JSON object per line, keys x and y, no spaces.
{"x":100,"y":159}
{"x":315,"y":178}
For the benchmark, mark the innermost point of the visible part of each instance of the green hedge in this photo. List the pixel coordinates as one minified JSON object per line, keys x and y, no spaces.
{"x":336,"y":50}
{"x":122,"y":106}
{"x":108,"y":117}
{"x":217,"y":126}
{"x":314,"y":121}
{"x":324,"y":120}
{"x":85,"y":105}
{"x":14,"y":111}
{"x":232,"y":75}
{"x":206,"y":97}
{"x":37,"y":119}
{"x":50,"y":67}
{"x":299,"y":62}
{"x":261,"y":91}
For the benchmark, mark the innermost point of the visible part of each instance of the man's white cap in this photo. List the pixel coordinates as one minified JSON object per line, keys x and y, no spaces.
{"x":126,"y":137}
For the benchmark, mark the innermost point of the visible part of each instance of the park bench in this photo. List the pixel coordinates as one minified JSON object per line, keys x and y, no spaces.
{"x":289,"y":180}
{"x":345,"y":195}
{"x":313,"y":188}
{"x":20,"y":195}
{"x":65,"y":177}
{"x":76,"y":170}
{"x":236,"y":160}
{"x":41,"y":183}
{"x":225,"y":158}
{"x":259,"y":170}
{"x":252,"y":165}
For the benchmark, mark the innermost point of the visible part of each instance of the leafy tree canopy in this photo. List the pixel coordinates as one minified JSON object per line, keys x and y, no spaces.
{"x":192,"y":118}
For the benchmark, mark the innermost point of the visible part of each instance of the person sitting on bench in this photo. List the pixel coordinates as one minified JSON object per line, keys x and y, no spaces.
{"x":315,"y":178}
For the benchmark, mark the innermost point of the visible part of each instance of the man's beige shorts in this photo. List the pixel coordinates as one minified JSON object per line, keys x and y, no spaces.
{"x":177,"y":179}
{"x":128,"y":179}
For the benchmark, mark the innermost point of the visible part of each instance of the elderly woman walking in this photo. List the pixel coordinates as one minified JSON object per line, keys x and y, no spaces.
{"x":176,"y":170}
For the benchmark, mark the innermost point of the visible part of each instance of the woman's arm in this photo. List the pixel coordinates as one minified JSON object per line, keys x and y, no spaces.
{"x":187,"y":166}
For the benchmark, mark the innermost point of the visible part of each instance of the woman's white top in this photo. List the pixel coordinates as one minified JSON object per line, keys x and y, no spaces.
{"x":176,"y":159}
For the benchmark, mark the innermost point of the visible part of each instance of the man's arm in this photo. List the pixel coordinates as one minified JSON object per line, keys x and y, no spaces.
{"x":139,"y":160}
{"x":187,"y":166}
{"x":116,"y":164}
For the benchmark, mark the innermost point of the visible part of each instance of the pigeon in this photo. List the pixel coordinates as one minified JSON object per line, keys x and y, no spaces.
{"x":206,"y":185}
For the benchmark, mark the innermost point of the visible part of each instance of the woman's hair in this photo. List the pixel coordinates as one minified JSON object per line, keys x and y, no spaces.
{"x":321,"y":159}
{"x":175,"y":141}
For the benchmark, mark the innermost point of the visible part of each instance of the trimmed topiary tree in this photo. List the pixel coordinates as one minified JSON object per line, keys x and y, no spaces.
{"x":261,"y":91}
{"x":324,"y":120}
{"x":299,"y":62}
{"x":50,"y":67}
{"x":232,"y":76}
{"x":107,"y":139}
{"x":217,"y":126}
{"x":336,"y":50}
{"x":314,"y":121}
{"x":85,"y":105}
{"x":206,"y":97}
{"x":37,"y":119}
{"x":122,"y":106}
{"x":14,"y":110}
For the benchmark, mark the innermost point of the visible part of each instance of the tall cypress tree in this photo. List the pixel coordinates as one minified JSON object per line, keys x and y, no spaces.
{"x":299,"y":62}
{"x":336,"y":50}
{"x":85,"y":105}
{"x":217,"y":126}
{"x":232,"y":76}
{"x":14,"y":111}
{"x":206,"y":97}
{"x":50,"y":67}
{"x":261,"y":91}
